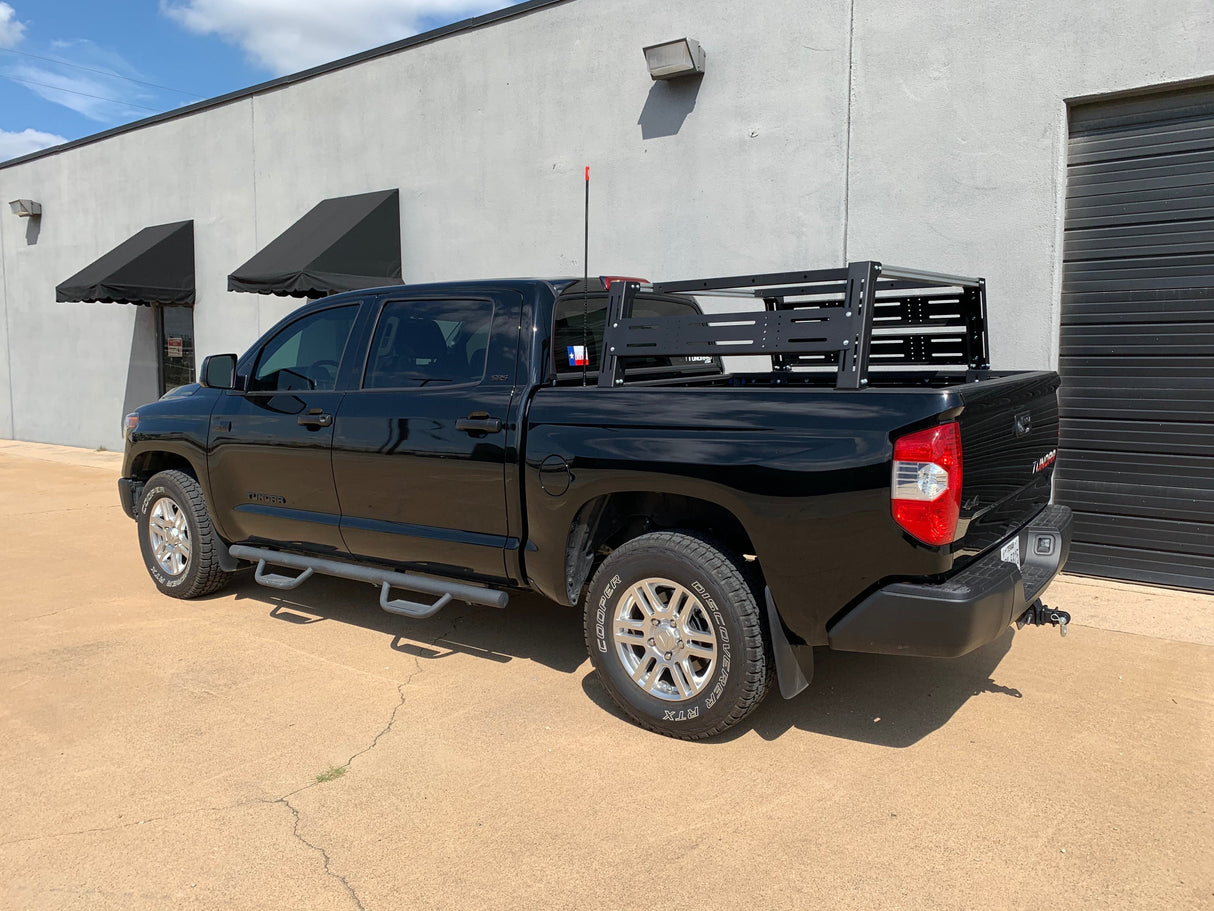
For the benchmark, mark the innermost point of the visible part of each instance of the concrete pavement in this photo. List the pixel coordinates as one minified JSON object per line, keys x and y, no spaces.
{"x":165,"y":754}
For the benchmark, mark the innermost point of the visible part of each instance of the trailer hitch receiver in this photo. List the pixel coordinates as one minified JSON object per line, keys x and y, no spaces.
{"x":1040,"y":615}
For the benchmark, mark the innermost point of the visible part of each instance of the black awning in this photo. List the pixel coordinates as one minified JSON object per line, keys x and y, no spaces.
{"x":342,"y":244}
{"x":156,"y":266}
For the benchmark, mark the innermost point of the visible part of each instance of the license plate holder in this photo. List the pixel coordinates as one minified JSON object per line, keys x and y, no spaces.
{"x":1010,"y":552}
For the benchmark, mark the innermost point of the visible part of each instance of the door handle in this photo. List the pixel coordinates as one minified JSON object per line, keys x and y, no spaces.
{"x":315,"y":418}
{"x":479,"y":422}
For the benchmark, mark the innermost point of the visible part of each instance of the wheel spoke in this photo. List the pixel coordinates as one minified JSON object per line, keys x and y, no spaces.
{"x":659,"y":606}
{"x":183,"y":547}
{"x":696,"y":635}
{"x":654,"y":679}
{"x":638,"y":672}
{"x":678,"y":600}
{"x":628,"y":637}
{"x":684,"y":679}
{"x":699,"y":651}
{"x":646,"y":599}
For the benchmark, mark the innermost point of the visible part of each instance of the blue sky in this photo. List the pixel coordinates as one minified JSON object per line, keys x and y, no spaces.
{"x":69,"y":68}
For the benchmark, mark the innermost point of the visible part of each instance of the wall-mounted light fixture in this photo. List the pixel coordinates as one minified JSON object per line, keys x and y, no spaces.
{"x":25,"y":208}
{"x":675,"y":59}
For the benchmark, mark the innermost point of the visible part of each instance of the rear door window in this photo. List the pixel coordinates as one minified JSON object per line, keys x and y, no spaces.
{"x":427,"y":342}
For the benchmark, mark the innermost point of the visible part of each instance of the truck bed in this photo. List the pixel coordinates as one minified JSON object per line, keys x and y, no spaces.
{"x":805,"y":469}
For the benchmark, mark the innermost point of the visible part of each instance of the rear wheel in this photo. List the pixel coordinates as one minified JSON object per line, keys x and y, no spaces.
{"x":673,"y":629}
{"x":177,"y":539}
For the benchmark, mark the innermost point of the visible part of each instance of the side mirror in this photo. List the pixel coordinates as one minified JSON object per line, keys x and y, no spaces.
{"x":218,"y":371}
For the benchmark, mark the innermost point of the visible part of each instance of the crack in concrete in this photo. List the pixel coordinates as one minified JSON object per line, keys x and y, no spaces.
{"x":329,"y":871}
{"x":120,"y":826}
{"x":285,"y":799}
{"x":384,"y":731}
{"x":62,"y":610}
{"x":47,"y":512}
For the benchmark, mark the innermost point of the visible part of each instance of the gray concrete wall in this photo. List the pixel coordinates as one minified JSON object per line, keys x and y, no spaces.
{"x":926,"y":134}
{"x":76,"y":367}
{"x":959,"y":129}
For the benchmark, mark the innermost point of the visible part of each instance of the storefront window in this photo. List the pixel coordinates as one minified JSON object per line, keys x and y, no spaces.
{"x":176,"y":347}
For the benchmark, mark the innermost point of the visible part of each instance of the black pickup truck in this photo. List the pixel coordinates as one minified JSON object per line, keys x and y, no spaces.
{"x":723,"y":473}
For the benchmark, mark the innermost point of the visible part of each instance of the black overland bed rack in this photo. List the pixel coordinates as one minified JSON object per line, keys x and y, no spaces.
{"x":850,"y":319}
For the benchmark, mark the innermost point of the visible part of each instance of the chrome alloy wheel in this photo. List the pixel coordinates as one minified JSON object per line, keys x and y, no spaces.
{"x":665,"y":639}
{"x":170,"y":536}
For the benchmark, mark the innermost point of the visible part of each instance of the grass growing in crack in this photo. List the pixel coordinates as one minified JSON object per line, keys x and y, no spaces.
{"x":332,"y":773}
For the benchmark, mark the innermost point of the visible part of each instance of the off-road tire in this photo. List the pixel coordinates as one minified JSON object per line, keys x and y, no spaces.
{"x":200,"y":573}
{"x":683,"y":695}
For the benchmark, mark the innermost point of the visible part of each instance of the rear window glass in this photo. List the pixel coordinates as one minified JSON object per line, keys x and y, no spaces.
{"x":578,"y":338}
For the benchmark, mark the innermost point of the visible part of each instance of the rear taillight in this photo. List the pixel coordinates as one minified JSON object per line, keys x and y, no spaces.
{"x":925,"y":492}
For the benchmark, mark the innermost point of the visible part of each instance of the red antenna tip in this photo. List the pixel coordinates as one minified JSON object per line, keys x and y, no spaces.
{"x":588,"y":173}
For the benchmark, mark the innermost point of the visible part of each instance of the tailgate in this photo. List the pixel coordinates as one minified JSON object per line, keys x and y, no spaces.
{"x":1009,"y":441}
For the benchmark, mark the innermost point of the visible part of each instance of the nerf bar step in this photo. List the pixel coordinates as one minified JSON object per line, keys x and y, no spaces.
{"x":446,"y":590}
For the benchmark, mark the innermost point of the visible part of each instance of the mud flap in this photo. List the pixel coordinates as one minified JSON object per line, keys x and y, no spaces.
{"x":794,"y":663}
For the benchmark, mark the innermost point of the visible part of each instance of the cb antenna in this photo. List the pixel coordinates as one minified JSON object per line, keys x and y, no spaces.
{"x":585,"y":358}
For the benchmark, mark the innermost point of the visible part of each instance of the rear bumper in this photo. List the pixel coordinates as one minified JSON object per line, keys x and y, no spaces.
{"x":969,"y":610}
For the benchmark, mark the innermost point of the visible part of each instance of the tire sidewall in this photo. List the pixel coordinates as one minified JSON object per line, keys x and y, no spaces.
{"x":157,"y":488}
{"x":720,"y":695}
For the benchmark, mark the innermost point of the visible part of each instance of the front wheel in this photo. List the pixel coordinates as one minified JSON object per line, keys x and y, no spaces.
{"x":177,"y":539}
{"x":673,"y":629}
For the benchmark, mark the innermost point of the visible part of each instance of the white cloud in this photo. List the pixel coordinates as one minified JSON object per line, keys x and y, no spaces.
{"x":106,"y":99}
{"x":11,"y":29}
{"x":286,"y":36}
{"x":14,"y":145}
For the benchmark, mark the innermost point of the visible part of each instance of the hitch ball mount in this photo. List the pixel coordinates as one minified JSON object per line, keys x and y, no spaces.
{"x":1040,"y":615}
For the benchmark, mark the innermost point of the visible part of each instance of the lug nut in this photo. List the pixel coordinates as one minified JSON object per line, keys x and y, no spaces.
{"x":668,"y":656}
{"x":651,"y":642}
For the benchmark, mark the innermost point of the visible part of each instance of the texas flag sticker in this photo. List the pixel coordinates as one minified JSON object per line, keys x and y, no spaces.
{"x":577,"y":356}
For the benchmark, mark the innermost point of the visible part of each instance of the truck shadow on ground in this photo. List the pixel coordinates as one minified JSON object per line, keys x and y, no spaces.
{"x":883,"y":700}
{"x":530,"y":628}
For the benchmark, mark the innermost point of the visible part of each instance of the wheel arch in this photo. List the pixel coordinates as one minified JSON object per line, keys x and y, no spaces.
{"x":608,"y":521}
{"x":153,"y":461}
{"x":148,"y":461}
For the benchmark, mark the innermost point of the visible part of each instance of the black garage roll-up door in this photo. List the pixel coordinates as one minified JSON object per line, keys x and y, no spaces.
{"x":1137,"y":339}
